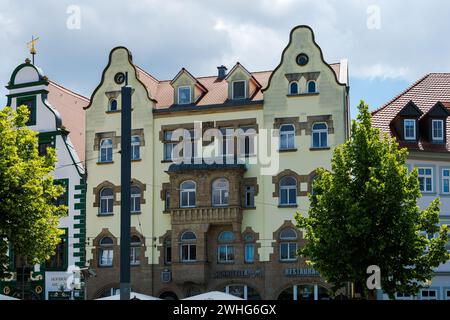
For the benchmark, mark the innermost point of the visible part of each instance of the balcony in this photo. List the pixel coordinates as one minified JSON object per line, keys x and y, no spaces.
{"x":207,"y":215}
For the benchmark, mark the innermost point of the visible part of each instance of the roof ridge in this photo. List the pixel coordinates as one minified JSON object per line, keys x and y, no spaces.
{"x":73,"y":93}
{"x":402,"y":93}
{"x":146,"y":73}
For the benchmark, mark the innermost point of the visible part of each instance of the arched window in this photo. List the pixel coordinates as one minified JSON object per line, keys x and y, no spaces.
{"x":320,"y":135}
{"x":249,"y":248}
{"x":287,"y":137}
{"x":220,"y":188}
{"x":135,"y":250}
{"x":167,"y":251}
{"x":312,"y":86}
{"x":106,"y":150}
{"x":188,"y":248}
{"x":225,"y":253}
{"x":135,"y":199}
{"x":106,"y":252}
{"x":288,"y":191}
{"x":288,"y":245}
{"x":135,"y":148}
{"x":293,"y":88}
{"x":112,"y":105}
{"x":187,"y":194}
{"x":106,"y":201}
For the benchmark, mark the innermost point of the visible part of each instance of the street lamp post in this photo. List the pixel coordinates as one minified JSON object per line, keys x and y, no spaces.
{"x":125,"y":193}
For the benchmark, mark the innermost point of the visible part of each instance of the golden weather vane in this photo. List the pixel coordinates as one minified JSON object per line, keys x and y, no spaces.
{"x":31,"y":46}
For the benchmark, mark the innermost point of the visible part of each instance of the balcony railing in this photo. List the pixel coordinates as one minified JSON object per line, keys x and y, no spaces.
{"x":206,"y":215}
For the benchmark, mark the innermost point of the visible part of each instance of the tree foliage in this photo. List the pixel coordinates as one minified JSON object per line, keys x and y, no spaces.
{"x":29,"y":217}
{"x":364,"y":212}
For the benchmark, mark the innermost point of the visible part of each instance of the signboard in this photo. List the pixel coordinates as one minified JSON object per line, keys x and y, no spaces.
{"x":246,"y":273}
{"x":301,"y":272}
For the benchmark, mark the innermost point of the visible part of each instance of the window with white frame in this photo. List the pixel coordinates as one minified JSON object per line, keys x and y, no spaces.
{"x":312,"y":86}
{"x":288,"y":191}
{"x":246,"y":141}
{"x":239,"y":89}
{"x":188,"y":247}
{"x":242,"y":291}
{"x":227,"y":143}
{"x":184,"y":95}
{"x":437,"y":128}
{"x":106,"y":201}
{"x":402,"y":296}
{"x":320,"y":135}
{"x":135,"y":199}
{"x":293,"y":87}
{"x":112,"y":105}
{"x":187,"y":194}
{"x":445,"y":181}
{"x":220,"y":191}
{"x":249,"y":197}
{"x":426,"y":179}
{"x":288,"y":245}
{"x":168,"y":145}
{"x":287,"y":137}
{"x":409,"y":129}
{"x":106,"y":150}
{"x":135,"y":148}
{"x":106,"y":252}
{"x":249,"y":248}
{"x":428,"y":294}
{"x":225,"y":251}
{"x":135,"y":250}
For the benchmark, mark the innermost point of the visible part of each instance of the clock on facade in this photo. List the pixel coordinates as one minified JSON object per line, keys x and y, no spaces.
{"x":119,"y":78}
{"x":302,"y":59}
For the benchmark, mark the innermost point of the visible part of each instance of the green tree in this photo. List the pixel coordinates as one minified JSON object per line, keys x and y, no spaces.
{"x":28,"y":215}
{"x":364,"y":212}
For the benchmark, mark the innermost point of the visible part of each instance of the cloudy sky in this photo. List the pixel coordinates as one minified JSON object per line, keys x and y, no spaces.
{"x":389,"y":44}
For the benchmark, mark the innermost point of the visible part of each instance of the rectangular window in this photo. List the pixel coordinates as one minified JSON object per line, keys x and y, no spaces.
{"x":168,"y":146}
{"x":226,"y":253}
{"x":135,"y":148}
{"x":184,"y":95}
{"x":30,"y":102}
{"x":249,"y":197}
{"x":247,"y":141}
{"x":288,"y":251}
{"x":288,"y":196}
{"x":106,"y":257}
{"x":59,"y":260}
{"x":438,"y":130}
{"x":445,"y":181}
{"x":63,"y":199}
{"x":249,"y":253}
{"x":167,"y":202}
{"x":168,"y":255}
{"x":188,"y":252}
{"x":106,"y":150}
{"x":409,"y":129}
{"x":447,"y":294}
{"x":135,"y":253}
{"x":227,"y":148}
{"x":428,"y":294}
{"x":42,"y":148}
{"x":239,"y":89}
{"x":426,"y":179}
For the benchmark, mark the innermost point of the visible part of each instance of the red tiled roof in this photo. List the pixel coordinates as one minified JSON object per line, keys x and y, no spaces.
{"x":70,"y":106}
{"x":217,"y":90}
{"x":425,"y":93}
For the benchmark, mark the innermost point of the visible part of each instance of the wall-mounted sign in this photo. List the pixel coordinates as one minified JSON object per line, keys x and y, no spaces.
{"x":301,"y":272}
{"x":247,"y":273}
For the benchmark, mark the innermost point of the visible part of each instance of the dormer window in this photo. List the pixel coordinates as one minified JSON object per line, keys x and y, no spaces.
{"x":239,"y":89}
{"x":437,"y":130}
{"x":409,"y":129}
{"x":184,"y":95}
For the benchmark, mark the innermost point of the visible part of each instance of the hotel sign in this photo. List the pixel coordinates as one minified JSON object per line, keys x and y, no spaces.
{"x":246,"y":273}
{"x":301,"y":272}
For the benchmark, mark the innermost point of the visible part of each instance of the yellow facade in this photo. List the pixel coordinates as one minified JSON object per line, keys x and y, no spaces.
{"x":329,"y":104}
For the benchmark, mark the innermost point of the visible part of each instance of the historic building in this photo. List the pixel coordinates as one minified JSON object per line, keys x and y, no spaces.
{"x":57,"y":114}
{"x":223,"y":218}
{"x":419,"y":119}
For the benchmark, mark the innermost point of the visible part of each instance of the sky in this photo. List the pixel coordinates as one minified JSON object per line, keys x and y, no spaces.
{"x":389,"y":44}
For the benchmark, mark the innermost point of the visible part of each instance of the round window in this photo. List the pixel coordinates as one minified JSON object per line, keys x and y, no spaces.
{"x":119,"y":78}
{"x":302,"y":59}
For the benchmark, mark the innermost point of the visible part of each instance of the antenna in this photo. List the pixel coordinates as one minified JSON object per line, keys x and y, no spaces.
{"x":31,"y":46}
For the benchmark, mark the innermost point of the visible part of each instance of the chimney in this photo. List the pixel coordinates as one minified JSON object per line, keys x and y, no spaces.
{"x":222,"y":72}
